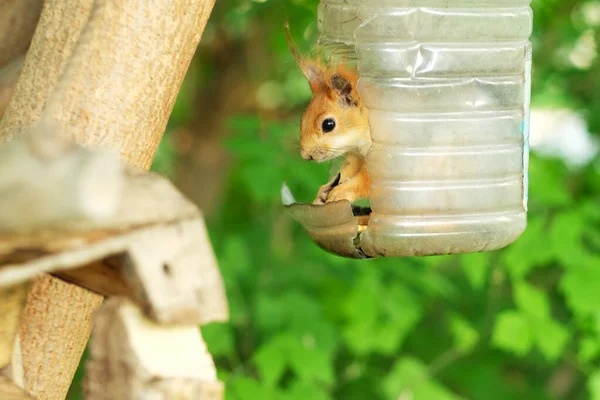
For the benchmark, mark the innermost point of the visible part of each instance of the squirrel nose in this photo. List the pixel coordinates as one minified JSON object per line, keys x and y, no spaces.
{"x":305,"y":155}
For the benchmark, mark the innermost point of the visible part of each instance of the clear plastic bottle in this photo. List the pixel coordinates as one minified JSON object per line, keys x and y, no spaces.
{"x":447,"y":85}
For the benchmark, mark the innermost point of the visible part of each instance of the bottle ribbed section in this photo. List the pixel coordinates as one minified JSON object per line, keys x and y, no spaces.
{"x":447,"y":85}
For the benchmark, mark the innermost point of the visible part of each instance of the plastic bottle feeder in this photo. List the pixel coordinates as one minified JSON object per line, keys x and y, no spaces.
{"x":447,"y":85}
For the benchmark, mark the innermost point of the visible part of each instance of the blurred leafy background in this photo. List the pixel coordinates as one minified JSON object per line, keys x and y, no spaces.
{"x":521,"y":323}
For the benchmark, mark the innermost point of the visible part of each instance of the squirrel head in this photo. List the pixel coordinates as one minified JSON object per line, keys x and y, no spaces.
{"x":335,"y":121}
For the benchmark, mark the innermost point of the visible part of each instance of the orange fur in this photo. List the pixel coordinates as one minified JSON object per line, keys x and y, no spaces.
{"x":335,"y":96}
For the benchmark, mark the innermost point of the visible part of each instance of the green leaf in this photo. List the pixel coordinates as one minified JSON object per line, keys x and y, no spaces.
{"x":465,"y":336}
{"x":552,"y":338}
{"x":301,"y":311}
{"x":566,"y":235}
{"x":363,"y":301}
{"x":301,"y":390}
{"x":359,"y":337}
{"x":531,"y":300}
{"x":529,"y":251}
{"x":547,"y":183}
{"x":271,"y":360}
{"x":409,"y":378}
{"x":513,"y":332}
{"x":268,"y":186}
{"x":593,"y":385}
{"x":581,"y":288}
{"x":401,"y":312}
{"x":270,"y":313}
{"x":312,"y":365}
{"x":309,"y":363}
{"x":380,"y":319}
{"x":243,"y":388}
{"x":476,"y":269}
{"x":236,"y":258}
{"x":361,"y":309}
{"x":589,"y":349}
{"x":219,"y":339}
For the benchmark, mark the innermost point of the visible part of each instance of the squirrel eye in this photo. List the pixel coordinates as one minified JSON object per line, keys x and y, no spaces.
{"x":328,"y":125}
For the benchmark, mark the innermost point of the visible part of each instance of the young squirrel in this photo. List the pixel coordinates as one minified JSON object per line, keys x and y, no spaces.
{"x":335,"y":123}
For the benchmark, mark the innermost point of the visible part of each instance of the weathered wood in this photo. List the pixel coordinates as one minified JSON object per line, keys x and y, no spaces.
{"x":55,"y":327}
{"x":9,"y":75}
{"x":58,"y":30}
{"x":132,"y":57}
{"x":14,"y":370}
{"x":169,"y":268}
{"x":12,"y":301}
{"x":10,"y":391}
{"x":146,"y":199}
{"x":52,"y":45}
{"x":134,"y":358}
{"x":174,"y":275}
{"x":46,"y":180}
{"x":103,"y":277}
{"x":117,"y":92}
{"x":18,"y":19}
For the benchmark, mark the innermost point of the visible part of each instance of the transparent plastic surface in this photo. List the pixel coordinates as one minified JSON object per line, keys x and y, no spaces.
{"x":447,"y":85}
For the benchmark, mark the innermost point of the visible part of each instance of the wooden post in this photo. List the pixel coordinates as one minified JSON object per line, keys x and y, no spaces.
{"x":13,"y":301}
{"x":118,"y":84}
{"x":18,"y":19}
{"x":8,"y":80}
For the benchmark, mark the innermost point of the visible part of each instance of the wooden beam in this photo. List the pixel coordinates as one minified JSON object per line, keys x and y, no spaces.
{"x":132,"y":357}
{"x":161,"y":253}
{"x":104,"y":277}
{"x":55,"y":327}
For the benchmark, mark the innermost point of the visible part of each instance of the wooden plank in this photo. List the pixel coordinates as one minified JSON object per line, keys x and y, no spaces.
{"x":132,"y":357}
{"x":161,"y":253}
{"x":169,"y":270}
{"x":103,"y":277}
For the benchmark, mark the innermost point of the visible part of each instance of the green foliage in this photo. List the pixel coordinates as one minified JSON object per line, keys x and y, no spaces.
{"x":410,"y":378}
{"x":465,"y":335}
{"x":513,"y":332}
{"x":498,"y":325}
{"x":521,"y":323}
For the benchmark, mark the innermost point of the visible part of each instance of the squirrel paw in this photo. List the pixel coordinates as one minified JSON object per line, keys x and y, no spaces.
{"x":341,"y":193}
{"x":325,"y":190}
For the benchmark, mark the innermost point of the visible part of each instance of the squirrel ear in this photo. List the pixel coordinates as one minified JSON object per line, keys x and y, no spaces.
{"x":314,"y":74}
{"x":343,"y":87}
{"x":311,"y":69}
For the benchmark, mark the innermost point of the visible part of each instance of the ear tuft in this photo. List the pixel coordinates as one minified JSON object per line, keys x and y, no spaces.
{"x":311,"y":69}
{"x":343,"y":87}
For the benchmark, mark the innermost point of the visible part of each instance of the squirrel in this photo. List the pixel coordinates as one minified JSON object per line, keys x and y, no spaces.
{"x":335,"y":123}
